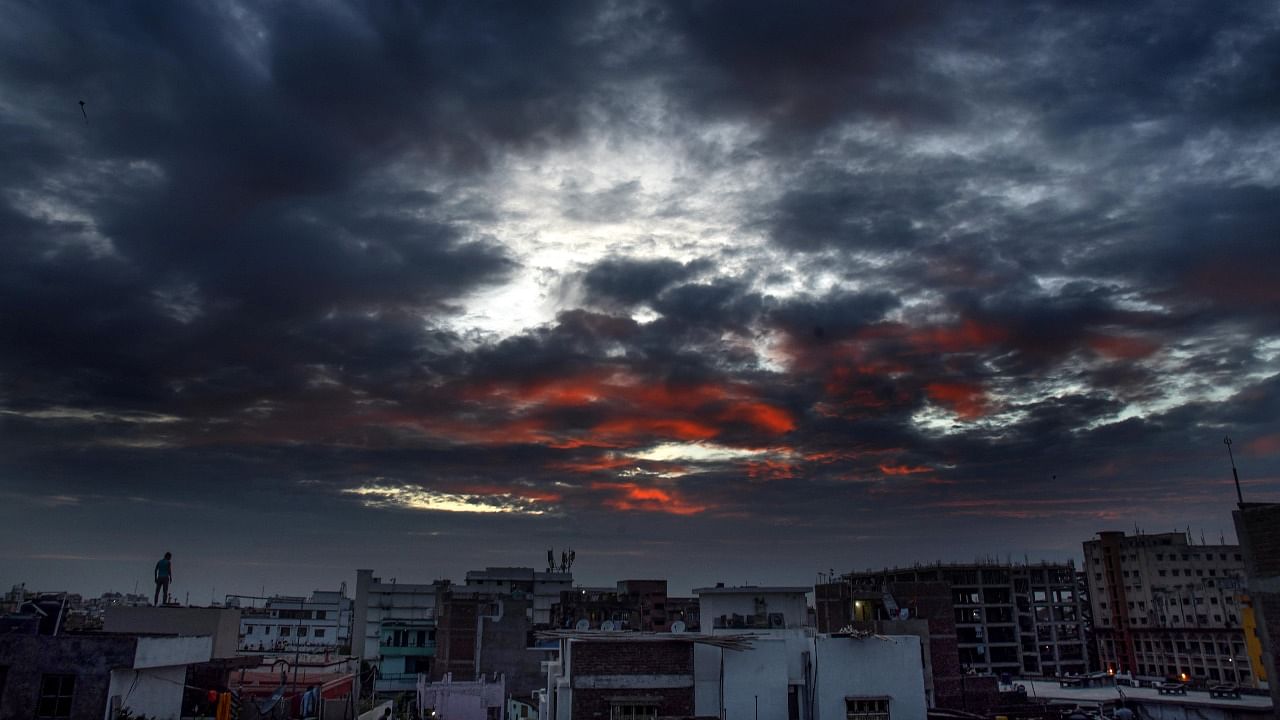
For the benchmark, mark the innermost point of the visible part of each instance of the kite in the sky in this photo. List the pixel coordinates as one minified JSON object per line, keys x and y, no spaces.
{"x":86,"y":115}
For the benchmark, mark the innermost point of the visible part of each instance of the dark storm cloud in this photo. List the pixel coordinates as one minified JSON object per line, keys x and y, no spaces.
{"x":805,"y":67}
{"x":631,"y":281}
{"x":922,"y":265}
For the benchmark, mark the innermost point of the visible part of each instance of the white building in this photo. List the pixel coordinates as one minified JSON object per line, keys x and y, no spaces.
{"x":469,"y":700}
{"x":153,"y":684}
{"x":792,"y":671}
{"x":543,"y":587}
{"x":751,"y":607}
{"x":786,"y":669}
{"x":290,"y":623}
{"x":394,"y":628}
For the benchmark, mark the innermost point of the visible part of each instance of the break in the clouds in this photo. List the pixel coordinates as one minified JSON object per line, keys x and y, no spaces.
{"x":700,"y":288}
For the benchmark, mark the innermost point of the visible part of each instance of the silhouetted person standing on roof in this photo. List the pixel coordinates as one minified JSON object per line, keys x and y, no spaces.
{"x":164,"y":576}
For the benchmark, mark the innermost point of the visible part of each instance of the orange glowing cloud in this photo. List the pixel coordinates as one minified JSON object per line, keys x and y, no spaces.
{"x":904,"y":469}
{"x":968,"y":336}
{"x":638,"y":409}
{"x":687,"y":430}
{"x":765,"y":417}
{"x":633,"y":497}
{"x":964,"y":399}
{"x":769,"y":470}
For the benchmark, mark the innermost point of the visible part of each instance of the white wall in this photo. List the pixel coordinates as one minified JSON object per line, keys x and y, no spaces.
{"x":155,"y":692}
{"x":870,"y":667}
{"x":758,"y":675}
{"x":168,"y":651}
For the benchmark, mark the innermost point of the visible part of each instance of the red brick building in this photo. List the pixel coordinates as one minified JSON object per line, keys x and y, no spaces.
{"x":625,"y":678}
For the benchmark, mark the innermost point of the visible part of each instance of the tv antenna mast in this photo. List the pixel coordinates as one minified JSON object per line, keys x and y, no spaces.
{"x":1234,"y":473}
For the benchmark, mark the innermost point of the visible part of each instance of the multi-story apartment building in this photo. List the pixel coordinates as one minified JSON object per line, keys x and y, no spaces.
{"x":395,"y":625}
{"x":294,"y":623}
{"x":1164,"y":607}
{"x":394,"y":628}
{"x":542,"y":588}
{"x":631,"y":605}
{"x":1009,"y":618}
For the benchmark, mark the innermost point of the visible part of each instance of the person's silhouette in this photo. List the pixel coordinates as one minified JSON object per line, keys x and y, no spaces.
{"x":164,"y":576}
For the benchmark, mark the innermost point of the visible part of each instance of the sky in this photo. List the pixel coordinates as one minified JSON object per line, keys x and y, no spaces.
{"x":710,"y":291}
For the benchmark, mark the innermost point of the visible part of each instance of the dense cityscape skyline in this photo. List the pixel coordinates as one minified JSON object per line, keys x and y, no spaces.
{"x":720,"y":291}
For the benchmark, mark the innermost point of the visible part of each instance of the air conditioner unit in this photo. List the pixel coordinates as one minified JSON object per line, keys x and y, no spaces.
{"x":776,"y":620}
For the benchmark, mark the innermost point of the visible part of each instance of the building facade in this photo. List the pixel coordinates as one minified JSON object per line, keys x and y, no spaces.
{"x":394,"y":628}
{"x":95,"y":675}
{"x":1166,"y":608}
{"x":792,"y":671}
{"x":543,"y":588}
{"x":1019,"y":619}
{"x":762,"y":660}
{"x":294,"y":623}
{"x":631,"y":605}
{"x":1258,"y":526}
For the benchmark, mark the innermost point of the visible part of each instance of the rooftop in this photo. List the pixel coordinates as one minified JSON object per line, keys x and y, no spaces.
{"x":1051,"y":690}
{"x":754,"y":590}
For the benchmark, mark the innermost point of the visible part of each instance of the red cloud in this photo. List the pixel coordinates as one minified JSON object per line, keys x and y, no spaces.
{"x":968,"y":336}
{"x":903,"y":469}
{"x":630,"y":496}
{"x":769,"y":470}
{"x":639,"y":410}
{"x":967,"y":400}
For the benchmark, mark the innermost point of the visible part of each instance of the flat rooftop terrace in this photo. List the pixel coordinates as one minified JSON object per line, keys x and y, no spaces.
{"x":1052,"y":690}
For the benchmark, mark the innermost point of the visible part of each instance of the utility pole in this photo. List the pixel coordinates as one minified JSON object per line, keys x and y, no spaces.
{"x":1234,"y":473}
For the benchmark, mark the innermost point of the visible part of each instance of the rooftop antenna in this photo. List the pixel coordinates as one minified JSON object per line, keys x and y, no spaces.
{"x":1234,"y":473}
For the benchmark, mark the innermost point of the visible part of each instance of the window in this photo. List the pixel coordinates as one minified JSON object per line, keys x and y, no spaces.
{"x":866,"y":708}
{"x":302,"y":632}
{"x":284,"y":632}
{"x":628,"y":711}
{"x":319,"y":632}
{"x":55,"y":696}
{"x":248,"y":630}
{"x":321,"y":614}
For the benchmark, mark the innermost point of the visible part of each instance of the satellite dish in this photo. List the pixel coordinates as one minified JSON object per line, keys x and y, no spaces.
{"x":607,"y":625}
{"x":583,"y":624}
{"x":677,"y":626}
{"x":904,"y":614}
